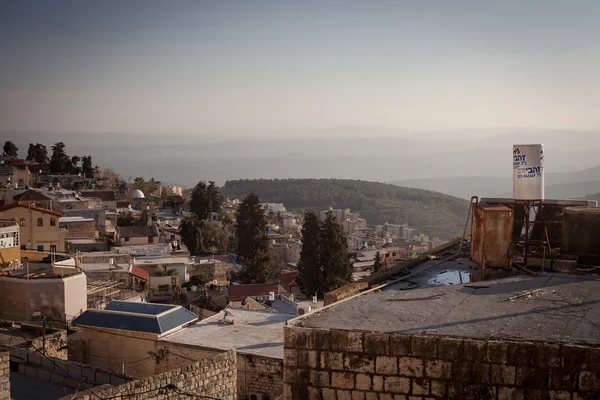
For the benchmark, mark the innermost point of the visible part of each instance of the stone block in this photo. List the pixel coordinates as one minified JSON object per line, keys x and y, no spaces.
{"x":438,"y":389}
{"x":342,"y":380}
{"x":363,"y":382}
{"x":480,"y":373}
{"x":536,"y":394}
{"x":44,"y":375}
{"x":319,"y":378}
{"x":289,"y":337}
{"x":386,"y":365}
{"x":386,"y":396}
{"x":547,"y":355}
{"x":376,"y":344}
{"x":589,"y":381}
{"x":332,"y":360}
{"x":497,"y":352}
{"x":290,"y":357}
{"x":575,"y":357}
{"x":421,"y":387}
{"x":356,"y":395}
{"x":344,"y":395}
{"x":396,"y":384}
{"x":371,"y":396}
{"x":563,"y":379}
{"x":326,"y":393}
{"x":503,"y":374}
{"x":400,"y":345}
{"x":438,"y":369}
{"x":74,"y":371}
{"x":532,"y":377}
{"x":423,"y":347}
{"x":412,"y":367}
{"x":290,"y":375}
{"x":359,"y":363}
{"x":354,"y":342}
{"x":478,"y":392}
{"x":35,"y":358}
{"x":559,"y":395}
{"x":474,"y":350}
{"x":449,"y":349}
{"x":378,"y":383}
{"x":31,"y":371}
{"x":313,"y":393}
{"x":461,"y":371}
{"x":305,"y":339}
{"x":522,"y":354}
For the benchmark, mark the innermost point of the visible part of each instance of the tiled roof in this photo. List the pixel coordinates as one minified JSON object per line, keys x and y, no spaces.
{"x":140,"y":273}
{"x":40,"y":209}
{"x":288,"y":279}
{"x":31,"y":195}
{"x":137,"y":231}
{"x":240,"y":292}
{"x":137,"y":317}
{"x":104,"y":195}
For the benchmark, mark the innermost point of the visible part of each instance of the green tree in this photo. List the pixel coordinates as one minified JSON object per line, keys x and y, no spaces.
{"x":252,"y":240}
{"x":215,"y":198}
{"x":214,"y":238}
{"x":333,"y":255}
{"x":10,"y":149}
{"x":38,"y":153}
{"x":205,"y":199}
{"x":191,"y":234}
{"x":86,"y":167}
{"x":378,"y":264}
{"x":125,"y":220}
{"x":309,"y":268}
{"x":74,"y":168}
{"x":60,"y":163}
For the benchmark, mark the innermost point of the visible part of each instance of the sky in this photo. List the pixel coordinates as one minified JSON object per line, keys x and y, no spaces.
{"x":288,"y":68}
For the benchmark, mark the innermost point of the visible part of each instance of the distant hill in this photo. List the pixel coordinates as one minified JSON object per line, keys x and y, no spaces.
{"x":432,"y":213}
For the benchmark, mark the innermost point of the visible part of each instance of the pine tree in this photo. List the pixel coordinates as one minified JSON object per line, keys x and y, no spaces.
{"x":10,"y":149}
{"x":38,"y":153}
{"x":252,"y":240}
{"x":377,"y":265}
{"x":60,"y":163}
{"x":191,"y":234}
{"x":309,"y":269}
{"x":333,"y":255}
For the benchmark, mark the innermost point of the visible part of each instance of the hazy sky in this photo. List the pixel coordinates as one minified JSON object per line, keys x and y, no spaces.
{"x":206,"y":67}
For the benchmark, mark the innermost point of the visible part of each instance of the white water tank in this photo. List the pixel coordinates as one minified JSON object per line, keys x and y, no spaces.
{"x":528,"y":171}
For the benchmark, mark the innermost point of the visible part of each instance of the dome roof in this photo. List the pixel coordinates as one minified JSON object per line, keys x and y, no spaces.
{"x":137,"y":194}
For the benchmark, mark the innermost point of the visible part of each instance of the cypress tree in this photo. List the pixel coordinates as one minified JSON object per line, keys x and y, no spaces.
{"x":252,"y":240}
{"x":377,"y":265}
{"x":333,"y":255}
{"x":309,"y":269}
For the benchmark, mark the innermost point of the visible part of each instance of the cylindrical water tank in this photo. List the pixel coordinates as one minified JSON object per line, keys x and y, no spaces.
{"x":528,"y":171}
{"x":581,"y":233}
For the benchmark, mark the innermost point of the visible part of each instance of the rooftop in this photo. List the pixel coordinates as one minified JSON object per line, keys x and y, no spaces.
{"x":137,"y":231}
{"x":67,"y":220}
{"x":24,"y":205}
{"x":254,"y":332}
{"x":138,"y":317}
{"x":549,"y":306}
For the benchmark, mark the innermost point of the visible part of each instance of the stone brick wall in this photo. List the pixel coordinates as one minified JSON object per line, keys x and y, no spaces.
{"x":78,"y":230}
{"x":4,"y":375}
{"x":214,"y":376}
{"x":335,"y":364}
{"x":258,"y":374}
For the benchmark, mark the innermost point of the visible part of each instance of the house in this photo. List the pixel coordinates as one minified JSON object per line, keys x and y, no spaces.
{"x":10,"y":252}
{"x":288,"y":281}
{"x":136,"y":235}
{"x":38,"y":227}
{"x":239,"y":293}
{"x":108,"y":197}
{"x":35,"y":198}
{"x":15,"y":172}
{"x":169,"y":235}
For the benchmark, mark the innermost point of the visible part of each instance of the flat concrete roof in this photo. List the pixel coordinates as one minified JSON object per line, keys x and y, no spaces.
{"x":254,"y":332}
{"x":549,"y":306}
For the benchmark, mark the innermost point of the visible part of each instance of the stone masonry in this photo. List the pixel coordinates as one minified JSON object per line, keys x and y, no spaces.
{"x":4,"y":375}
{"x":336,"y":364}
{"x":213,"y":377}
{"x":258,"y":374}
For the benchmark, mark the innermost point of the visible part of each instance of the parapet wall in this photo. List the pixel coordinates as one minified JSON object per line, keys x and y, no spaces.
{"x":215,"y":376}
{"x":4,"y":375}
{"x":336,"y":364}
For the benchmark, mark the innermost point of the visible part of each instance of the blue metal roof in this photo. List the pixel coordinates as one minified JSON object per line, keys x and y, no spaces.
{"x":119,"y":316}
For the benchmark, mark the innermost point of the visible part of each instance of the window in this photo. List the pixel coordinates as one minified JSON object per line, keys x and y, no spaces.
{"x":52,"y":221}
{"x":23,"y":247}
{"x":22,"y":222}
{"x":40,"y":247}
{"x":127,"y":239}
{"x":40,"y":221}
{"x":172,"y":237}
{"x":150,"y":239}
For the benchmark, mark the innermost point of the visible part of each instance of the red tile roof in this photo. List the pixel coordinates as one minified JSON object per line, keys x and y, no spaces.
{"x":40,"y":209}
{"x":241,"y":292}
{"x":140,"y":273}
{"x":288,"y":279}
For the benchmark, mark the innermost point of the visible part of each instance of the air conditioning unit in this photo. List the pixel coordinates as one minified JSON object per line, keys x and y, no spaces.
{"x":259,"y":396}
{"x":301,"y":310}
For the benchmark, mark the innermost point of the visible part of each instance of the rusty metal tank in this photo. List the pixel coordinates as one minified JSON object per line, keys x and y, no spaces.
{"x":581,"y":234}
{"x":491,"y":235}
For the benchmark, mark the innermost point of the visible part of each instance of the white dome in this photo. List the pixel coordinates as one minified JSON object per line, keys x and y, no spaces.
{"x":138,"y":194}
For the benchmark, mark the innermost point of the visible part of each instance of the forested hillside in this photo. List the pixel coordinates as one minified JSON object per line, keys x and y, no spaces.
{"x":433,"y":213}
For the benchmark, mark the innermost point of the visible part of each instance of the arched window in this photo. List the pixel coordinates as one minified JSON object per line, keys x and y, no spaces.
{"x":22,"y":222}
{"x":52,"y":221}
{"x":40,"y":221}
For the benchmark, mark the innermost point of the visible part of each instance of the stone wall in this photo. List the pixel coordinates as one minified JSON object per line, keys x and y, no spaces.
{"x":67,"y":373}
{"x":81,"y":230}
{"x":214,"y":376}
{"x":258,"y":374}
{"x":4,"y":375}
{"x":335,"y":364}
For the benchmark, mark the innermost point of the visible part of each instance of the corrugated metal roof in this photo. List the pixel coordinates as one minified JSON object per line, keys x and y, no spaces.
{"x":137,"y":317}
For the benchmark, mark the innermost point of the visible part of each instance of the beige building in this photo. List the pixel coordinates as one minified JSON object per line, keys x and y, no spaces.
{"x":136,"y":235}
{"x":39,"y":229}
{"x":10,"y":251}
